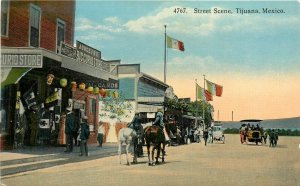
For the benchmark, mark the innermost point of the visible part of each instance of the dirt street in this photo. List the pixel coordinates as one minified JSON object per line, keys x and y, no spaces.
{"x":194,"y":164}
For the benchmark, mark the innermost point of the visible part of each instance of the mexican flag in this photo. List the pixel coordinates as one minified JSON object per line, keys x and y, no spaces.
{"x":202,"y":94}
{"x":214,"y":89}
{"x":175,"y":44}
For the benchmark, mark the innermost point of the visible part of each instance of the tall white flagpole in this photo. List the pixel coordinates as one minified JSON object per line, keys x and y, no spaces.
{"x":196,"y":106}
{"x":165,"y":57}
{"x":203,"y":103}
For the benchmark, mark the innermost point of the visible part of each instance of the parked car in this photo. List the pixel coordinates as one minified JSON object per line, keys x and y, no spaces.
{"x":218,"y":133}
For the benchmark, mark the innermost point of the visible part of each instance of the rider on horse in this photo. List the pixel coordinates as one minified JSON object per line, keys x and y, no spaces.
{"x":160,"y":123}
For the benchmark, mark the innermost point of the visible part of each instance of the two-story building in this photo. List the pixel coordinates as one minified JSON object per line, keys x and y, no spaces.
{"x":42,"y":73}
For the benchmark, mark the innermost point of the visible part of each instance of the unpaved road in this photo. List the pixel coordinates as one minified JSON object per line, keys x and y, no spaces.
{"x":194,"y":164}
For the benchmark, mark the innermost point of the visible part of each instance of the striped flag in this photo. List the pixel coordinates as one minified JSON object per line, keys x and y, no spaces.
{"x":202,"y":94}
{"x":214,"y":89}
{"x":175,"y":44}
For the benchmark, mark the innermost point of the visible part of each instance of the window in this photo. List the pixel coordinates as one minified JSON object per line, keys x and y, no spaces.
{"x":34,"y":27}
{"x":4,"y":18}
{"x":60,"y":30}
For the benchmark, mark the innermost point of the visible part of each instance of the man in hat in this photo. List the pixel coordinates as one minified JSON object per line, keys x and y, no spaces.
{"x":84,"y":136}
{"x":34,"y":120}
{"x":136,"y":122}
{"x":69,"y":127}
{"x":100,"y":135}
{"x":137,"y":126}
{"x":159,"y":121}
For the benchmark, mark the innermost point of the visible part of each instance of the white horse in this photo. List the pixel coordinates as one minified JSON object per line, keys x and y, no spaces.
{"x":127,"y":137}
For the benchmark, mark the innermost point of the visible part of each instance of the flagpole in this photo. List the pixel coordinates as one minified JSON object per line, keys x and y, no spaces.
{"x":203,"y":104}
{"x":165,"y":57}
{"x":196,"y":106}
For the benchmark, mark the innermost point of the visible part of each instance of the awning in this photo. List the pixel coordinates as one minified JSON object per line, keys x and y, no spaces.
{"x":12,"y":75}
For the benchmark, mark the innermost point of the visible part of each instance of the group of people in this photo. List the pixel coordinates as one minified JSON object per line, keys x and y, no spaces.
{"x":273,"y":138}
{"x":77,"y":130}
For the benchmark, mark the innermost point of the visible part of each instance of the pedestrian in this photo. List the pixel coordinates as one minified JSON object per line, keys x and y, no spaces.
{"x":275,"y":138}
{"x":84,"y":136}
{"x":272,"y":138}
{"x":69,"y":127}
{"x":137,"y":126}
{"x":205,"y":136}
{"x":75,"y":131}
{"x":100,"y":135}
{"x":34,"y":120}
{"x":210,"y":135}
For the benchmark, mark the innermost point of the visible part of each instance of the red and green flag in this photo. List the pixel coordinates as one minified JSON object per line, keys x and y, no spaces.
{"x":214,"y":89}
{"x":202,"y":94}
{"x":175,"y":44}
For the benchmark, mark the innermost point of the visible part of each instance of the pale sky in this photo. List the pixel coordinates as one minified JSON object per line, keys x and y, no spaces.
{"x":255,"y":57}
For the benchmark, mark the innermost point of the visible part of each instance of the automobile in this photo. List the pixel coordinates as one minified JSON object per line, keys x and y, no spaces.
{"x":251,"y":131}
{"x":218,"y":133}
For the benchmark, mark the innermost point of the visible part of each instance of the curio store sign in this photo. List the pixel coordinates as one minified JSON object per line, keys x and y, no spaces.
{"x":22,"y":60}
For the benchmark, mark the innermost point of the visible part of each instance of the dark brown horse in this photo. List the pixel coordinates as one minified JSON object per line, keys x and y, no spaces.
{"x":154,"y":135}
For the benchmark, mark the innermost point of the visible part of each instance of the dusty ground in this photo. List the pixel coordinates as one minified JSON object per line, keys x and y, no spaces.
{"x":194,"y":164}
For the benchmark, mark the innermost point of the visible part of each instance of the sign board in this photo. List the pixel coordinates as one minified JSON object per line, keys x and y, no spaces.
{"x":22,"y":60}
{"x":90,"y":56}
{"x":150,"y":114}
{"x":110,"y":84}
{"x":68,"y":51}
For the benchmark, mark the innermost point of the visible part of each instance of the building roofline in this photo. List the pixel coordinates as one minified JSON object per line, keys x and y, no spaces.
{"x":151,"y":78}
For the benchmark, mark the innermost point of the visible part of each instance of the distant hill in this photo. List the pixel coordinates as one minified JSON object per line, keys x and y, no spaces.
{"x":286,"y":123}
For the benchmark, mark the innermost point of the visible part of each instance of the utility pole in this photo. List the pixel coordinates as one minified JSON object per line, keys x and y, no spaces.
{"x":232,"y":115}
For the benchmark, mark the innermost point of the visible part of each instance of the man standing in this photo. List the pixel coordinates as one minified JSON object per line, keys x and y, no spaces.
{"x":69,"y":127}
{"x":34,"y":120}
{"x":205,"y":136}
{"x":84,"y":136}
{"x":100,"y":135}
{"x":137,"y":126}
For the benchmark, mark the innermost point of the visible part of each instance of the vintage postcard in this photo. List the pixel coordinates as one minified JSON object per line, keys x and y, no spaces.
{"x":150,"y":92}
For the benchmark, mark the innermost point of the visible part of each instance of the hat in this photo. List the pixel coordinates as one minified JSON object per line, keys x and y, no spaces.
{"x":69,"y":108}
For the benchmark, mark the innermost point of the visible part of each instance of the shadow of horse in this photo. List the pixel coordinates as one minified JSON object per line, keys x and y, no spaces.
{"x":154,"y":135}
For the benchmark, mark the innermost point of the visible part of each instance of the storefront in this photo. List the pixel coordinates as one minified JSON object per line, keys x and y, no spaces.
{"x":37,"y":86}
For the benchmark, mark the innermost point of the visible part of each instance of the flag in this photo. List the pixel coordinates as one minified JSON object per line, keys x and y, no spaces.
{"x":175,"y":44}
{"x":214,"y":89}
{"x":202,"y":94}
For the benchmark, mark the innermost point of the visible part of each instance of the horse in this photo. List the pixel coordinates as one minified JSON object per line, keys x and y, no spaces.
{"x":155,"y":135}
{"x":128,"y":137}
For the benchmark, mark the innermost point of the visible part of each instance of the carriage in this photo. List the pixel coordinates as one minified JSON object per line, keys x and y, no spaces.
{"x":251,"y":131}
